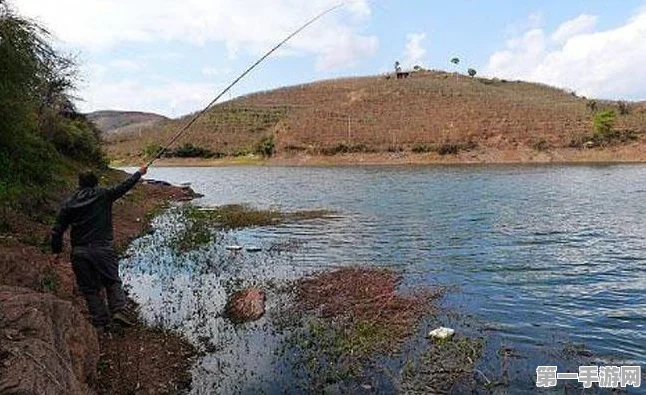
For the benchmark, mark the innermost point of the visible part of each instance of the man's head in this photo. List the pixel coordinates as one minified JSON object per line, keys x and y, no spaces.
{"x":87,"y":179}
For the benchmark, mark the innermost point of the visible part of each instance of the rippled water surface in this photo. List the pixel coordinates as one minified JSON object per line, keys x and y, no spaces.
{"x":541,"y":256}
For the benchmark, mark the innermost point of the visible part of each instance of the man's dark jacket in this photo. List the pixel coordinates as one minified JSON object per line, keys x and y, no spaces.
{"x":89,"y":212}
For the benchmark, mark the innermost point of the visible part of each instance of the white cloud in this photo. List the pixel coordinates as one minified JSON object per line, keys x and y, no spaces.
{"x":249,"y":25}
{"x":582,"y":24}
{"x":414,"y":52}
{"x":170,"y":98}
{"x":607,"y":64}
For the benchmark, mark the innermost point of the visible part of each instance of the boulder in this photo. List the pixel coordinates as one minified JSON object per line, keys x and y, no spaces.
{"x":46,"y":345}
{"x":245,"y":305}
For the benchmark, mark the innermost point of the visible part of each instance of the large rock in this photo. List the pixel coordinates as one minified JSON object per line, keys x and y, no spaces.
{"x":246,"y":305}
{"x":46,"y":345}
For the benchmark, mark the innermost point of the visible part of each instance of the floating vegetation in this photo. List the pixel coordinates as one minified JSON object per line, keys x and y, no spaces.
{"x":237,"y":216}
{"x":447,"y":366}
{"x":345,"y":324}
{"x":201,"y":224}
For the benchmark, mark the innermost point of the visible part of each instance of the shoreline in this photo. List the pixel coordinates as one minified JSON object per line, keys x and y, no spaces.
{"x":611,"y":156}
{"x":42,"y":313}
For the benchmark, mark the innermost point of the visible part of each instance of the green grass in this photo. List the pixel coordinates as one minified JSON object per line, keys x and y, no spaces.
{"x":237,"y":216}
{"x":201,"y":224}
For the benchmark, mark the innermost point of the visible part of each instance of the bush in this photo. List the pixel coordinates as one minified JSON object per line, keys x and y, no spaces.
{"x":266,"y":146}
{"x":604,"y":132}
{"x":79,"y":140}
{"x":422,"y":148}
{"x":591,"y":105}
{"x":541,"y":145}
{"x":151,"y":150}
{"x":455,"y":148}
{"x":603,"y":124}
{"x":624,"y":108}
{"x":189,"y":150}
{"x":343,"y":148}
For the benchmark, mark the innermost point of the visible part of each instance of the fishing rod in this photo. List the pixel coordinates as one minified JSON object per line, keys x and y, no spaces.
{"x":183,"y":129}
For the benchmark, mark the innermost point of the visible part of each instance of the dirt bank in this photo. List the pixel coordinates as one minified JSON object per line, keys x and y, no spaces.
{"x":634,"y":153}
{"x":47,"y":345}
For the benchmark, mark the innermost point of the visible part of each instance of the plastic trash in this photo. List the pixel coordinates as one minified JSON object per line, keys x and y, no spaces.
{"x":441,"y":333}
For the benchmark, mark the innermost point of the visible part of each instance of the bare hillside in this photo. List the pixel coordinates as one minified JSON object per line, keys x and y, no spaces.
{"x":110,"y":122}
{"x":430,"y":111}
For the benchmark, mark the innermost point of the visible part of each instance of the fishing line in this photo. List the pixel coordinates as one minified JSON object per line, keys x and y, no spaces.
{"x":199,"y":114}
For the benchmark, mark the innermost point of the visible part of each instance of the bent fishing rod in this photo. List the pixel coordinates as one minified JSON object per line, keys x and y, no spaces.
{"x":183,"y":129}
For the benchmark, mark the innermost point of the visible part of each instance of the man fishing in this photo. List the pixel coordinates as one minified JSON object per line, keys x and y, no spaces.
{"x":89,"y":213}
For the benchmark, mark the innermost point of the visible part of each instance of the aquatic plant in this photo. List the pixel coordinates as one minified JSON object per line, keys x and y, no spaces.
{"x":345,"y":321}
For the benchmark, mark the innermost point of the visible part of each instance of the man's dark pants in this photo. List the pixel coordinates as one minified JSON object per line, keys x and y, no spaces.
{"x":95,"y":267}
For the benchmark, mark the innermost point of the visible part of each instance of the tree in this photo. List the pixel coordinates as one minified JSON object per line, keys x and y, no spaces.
{"x":397,"y":67}
{"x":472,"y":72}
{"x":39,"y":125}
{"x":456,"y":62}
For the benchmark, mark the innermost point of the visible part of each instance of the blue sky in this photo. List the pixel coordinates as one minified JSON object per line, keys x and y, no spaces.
{"x":172,"y":57}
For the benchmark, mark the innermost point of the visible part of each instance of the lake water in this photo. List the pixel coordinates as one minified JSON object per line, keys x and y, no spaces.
{"x":545,"y":258}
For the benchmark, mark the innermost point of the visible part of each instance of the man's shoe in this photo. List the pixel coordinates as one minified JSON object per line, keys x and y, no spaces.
{"x":121,"y":319}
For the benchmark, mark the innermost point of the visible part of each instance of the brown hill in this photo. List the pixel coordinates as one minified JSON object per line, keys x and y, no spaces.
{"x":430,"y":111}
{"x":123,"y":121}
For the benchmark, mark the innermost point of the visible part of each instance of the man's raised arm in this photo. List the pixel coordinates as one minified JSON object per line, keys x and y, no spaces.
{"x":119,"y":190}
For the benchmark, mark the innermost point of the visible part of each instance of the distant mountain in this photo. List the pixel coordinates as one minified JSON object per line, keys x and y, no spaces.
{"x":123,"y":122}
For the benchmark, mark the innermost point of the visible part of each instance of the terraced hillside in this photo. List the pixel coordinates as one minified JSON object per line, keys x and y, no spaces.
{"x":430,"y":111}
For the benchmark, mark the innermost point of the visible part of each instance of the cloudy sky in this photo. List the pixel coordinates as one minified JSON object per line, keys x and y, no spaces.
{"x":172,"y":57}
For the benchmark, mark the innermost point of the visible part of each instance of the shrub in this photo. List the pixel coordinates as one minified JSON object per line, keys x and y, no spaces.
{"x":295,"y":148}
{"x":591,"y":105}
{"x":541,"y":145}
{"x":455,"y":148}
{"x":422,"y":148}
{"x":189,"y":150}
{"x":624,"y":108}
{"x":604,"y":132}
{"x":151,"y":150}
{"x":603,"y":123}
{"x":266,"y":146}
{"x":79,"y":140}
{"x":343,"y":148}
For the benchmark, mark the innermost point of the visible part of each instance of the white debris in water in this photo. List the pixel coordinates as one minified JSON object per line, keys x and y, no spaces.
{"x":253,"y":249}
{"x":233,"y":248}
{"x":441,"y":333}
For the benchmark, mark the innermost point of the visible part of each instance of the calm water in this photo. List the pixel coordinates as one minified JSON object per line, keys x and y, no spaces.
{"x":542,"y":256}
